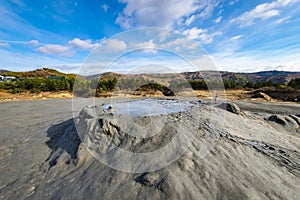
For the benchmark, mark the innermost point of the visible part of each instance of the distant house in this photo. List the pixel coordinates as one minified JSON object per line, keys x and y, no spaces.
{"x":8,"y":78}
{"x":56,"y":77}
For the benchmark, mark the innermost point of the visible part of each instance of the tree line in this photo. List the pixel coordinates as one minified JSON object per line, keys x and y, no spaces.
{"x":88,"y":88}
{"x":294,"y":83}
{"x":230,"y":84}
{"x":97,"y":87}
{"x":37,"y":85}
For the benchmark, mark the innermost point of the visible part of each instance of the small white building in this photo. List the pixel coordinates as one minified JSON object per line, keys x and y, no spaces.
{"x":7,"y":78}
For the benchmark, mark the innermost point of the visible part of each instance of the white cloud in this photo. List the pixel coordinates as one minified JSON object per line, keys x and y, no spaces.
{"x":105,"y":7}
{"x":27,"y":61}
{"x":253,"y":61}
{"x":83,"y":44}
{"x":208,"y":9}
{"x":150,"y":44}
{"x":73,"y":45}
{"x":163,"y":35}
{"x":194,"y":32}
{"x":218,"y":20}
{"x":282,"y":20}
{"x":270,"y":13}
{"x":201,"y":34}
{"x":233,"y":2}
{"x":204,"y":63}
{"x":157,"y":13}
{"x":236,"y":37}
{"x":262,"y":12}
{"x":190,"y":20}
{"x":8,"y":42}
{"x":180,"y":44}
{"x":33,"y":42}
{"x":4,"y":44}
{"x":220,"y":11}
{"x":112,"y":45}
{"x":55,"y":49}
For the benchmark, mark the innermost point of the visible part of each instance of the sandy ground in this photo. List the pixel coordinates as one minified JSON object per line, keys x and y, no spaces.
{"x":230,"y":94}
{"x":5,"y":96}
{"x":41,"y":156}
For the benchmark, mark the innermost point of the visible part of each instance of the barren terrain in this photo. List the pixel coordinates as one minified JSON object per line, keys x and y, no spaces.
{"x":254,"y":154}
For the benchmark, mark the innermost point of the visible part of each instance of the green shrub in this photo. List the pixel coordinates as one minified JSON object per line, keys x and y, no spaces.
{"x":156,"y":87}
{"x":35,"y":90}
{"x":295,"y":83}
{"x":198,"y":84}
{"x":17,"y":91}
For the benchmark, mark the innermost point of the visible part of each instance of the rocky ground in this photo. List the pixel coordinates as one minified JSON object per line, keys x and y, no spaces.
{"x":240,"y":150}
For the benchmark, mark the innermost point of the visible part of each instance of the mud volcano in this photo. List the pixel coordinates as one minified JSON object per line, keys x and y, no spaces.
{"x":139,"y":136}
{"x":208,"y":156}
{"x":200,"y":154}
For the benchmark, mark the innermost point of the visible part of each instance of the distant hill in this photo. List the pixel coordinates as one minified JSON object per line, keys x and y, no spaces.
{"x":275,"y":76}
{"x":2,"y":71}
{"x":264,"y":76}
{"x":38,"y":73}
{"x":103,"y":76}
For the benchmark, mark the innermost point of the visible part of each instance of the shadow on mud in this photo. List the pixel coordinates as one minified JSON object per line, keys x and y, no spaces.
{"x":64,"y":141}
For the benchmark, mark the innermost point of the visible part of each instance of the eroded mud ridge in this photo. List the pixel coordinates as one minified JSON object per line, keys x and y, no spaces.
{"x":236,"y":151}
{"x":283,"y":156}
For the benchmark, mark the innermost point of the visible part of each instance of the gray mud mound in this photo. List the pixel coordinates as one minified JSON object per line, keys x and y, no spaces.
{"x":239,"y":157}
{"x":238,"y":166}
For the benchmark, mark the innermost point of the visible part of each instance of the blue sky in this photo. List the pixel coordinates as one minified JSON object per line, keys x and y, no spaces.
{"x":238,"y":35}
